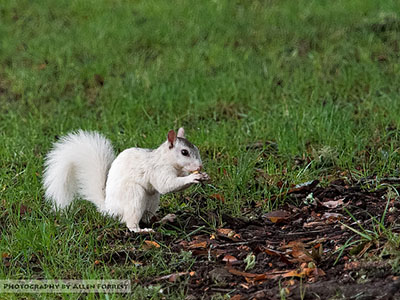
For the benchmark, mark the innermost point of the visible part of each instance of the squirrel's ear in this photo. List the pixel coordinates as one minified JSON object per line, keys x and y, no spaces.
{"x":171,"y":138}
{"x":181,"y":132}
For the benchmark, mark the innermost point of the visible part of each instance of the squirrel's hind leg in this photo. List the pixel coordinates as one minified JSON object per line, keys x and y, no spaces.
{"x":134,"y":206}
{"x":152,"y":205}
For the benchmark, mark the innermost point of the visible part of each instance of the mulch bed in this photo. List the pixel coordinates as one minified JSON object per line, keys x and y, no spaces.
{"x":299,"y":251}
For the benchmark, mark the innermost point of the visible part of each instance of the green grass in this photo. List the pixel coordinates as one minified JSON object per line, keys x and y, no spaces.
{"x":318,"y":78}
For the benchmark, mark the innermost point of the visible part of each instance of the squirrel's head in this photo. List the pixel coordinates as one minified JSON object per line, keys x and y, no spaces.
{"x":185,"y":154}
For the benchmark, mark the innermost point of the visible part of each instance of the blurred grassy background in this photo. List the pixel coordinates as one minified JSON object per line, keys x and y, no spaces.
{"x":319,"y":79}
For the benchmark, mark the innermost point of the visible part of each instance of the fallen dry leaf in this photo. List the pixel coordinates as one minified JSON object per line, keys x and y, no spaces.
{"x":278,"y":216}
{"x":226,"y":231}
{"x":150,"y":244}
{"x":290,"y":282}
{"x":272,"y":252}
{"x":252,"y":277}
{"x":300,"y":255}
{"x":259,"y":278}
{"x":304,"y":272}
{"x":229,"y":233}
{"x":313,"y":224}
{"x":332,"y":216}
{"x":197,"y":245}
{"x":244,"y":248}
{"x":332,"y":204}
{"x":229,"y":259}
{"x":218,"y":197}
{"x":244,"y":274}
{"x":295,"y":273}
{"x":292,"y":244}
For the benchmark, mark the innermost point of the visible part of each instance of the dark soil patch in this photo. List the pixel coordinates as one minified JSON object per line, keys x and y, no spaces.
{"x":299,"y":250}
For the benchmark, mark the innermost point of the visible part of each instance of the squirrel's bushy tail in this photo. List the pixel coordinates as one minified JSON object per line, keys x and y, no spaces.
{"x":78,"y":165}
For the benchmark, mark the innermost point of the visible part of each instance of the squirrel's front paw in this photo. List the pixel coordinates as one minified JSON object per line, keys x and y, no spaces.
{"x":199,"y":177}
{"x":205,"y":177}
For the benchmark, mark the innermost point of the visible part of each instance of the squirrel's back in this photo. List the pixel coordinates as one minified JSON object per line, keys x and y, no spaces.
{"x":78,"y":165}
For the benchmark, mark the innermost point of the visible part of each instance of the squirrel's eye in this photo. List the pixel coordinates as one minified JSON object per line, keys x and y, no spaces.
{"x":185,"y":152}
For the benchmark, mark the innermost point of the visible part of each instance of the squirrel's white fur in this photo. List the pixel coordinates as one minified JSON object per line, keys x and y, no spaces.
{"x":129,"y":186}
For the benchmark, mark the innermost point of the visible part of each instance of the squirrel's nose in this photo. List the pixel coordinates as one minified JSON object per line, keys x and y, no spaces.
{"x":199,"y":168}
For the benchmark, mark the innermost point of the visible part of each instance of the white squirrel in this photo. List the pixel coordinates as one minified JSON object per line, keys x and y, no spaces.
{"x":129,"y":186}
